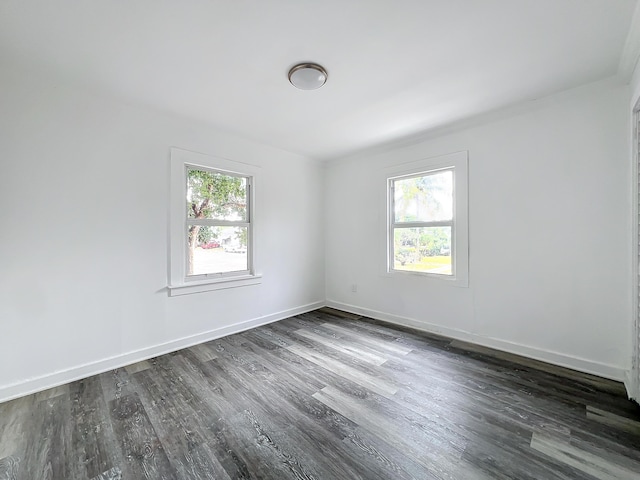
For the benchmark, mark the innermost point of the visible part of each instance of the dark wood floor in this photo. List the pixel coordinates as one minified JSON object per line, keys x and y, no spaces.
{"x":321,"y":396}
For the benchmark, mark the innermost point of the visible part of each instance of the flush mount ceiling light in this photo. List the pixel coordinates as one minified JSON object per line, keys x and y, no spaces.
{"x":307,"y":76}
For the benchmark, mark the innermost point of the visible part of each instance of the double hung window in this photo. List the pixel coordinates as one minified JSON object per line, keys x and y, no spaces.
{"x":212,"y":223}
{"x":422,"y":222}
{"x":427,"y":221}
{"x":218,"y":223}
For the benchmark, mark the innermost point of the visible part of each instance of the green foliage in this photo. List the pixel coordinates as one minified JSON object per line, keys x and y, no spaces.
{"x":412,"y":244}
{"x":207,"y":234}
{"x":406,"y":255}
{"x":215,"y":195}
{"x":241,"y":235}
{"x":437,"y":240}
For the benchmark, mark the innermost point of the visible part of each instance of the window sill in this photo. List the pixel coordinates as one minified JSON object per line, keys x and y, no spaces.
{"x":460,"y":281}
{"x":214,"y":284}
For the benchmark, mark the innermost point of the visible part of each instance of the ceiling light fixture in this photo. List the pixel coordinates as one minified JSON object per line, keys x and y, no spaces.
{"x":307,"y":76}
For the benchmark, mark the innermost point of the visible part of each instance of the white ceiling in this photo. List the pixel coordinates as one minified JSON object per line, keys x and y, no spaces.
{"x":395,"y":68}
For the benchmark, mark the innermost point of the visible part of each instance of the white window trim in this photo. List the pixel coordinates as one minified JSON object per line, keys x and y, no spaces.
{"x":457,"y":161}
{"x":178,"y":283}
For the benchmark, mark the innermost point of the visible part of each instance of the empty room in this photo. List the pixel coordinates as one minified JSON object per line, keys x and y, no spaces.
{"x":354,"y":239}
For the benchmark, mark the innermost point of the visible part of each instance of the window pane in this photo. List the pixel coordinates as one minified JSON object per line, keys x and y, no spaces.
{"x":425,"y":249}
{"x":216,"y":249}
{"x":424,"y":199}
{"x":216,"y":196}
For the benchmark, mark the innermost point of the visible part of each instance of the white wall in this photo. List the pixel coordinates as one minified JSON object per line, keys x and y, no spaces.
{"x":549,"y":234}
{"x":83,"y":235}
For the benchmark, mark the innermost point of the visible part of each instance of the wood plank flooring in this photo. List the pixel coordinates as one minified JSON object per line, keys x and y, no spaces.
{"x":326,"y":395}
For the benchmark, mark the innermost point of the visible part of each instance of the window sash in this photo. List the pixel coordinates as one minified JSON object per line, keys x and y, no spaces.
{"x":248,"y":178}
{"x":424,"y":173}
{"x":392,"y":250}
{"x":225,"y":274}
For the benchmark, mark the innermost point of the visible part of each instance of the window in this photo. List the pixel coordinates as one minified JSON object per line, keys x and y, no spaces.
{"x":422,"y":222}
{"x":218,"y":223}
{"x":212,"y":225}
{"x":427,"y":219}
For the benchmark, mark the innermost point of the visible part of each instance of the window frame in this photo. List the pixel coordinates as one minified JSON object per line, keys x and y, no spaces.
{"x":458,"y":163}
{"x":179,"y":282}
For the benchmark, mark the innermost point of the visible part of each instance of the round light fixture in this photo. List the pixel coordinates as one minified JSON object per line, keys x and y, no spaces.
{"x":307,"y":76}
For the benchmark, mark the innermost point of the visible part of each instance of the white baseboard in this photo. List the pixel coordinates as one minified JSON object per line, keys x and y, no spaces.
{"x":575,"y":363}
{"x":33,"y":385}
{"x":55,"y":379}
